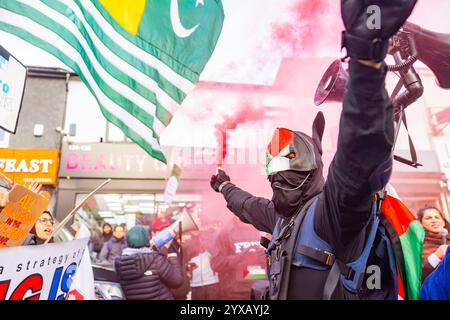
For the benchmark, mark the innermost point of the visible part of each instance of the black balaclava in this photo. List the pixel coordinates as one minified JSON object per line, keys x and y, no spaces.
{"x":294,"y":167}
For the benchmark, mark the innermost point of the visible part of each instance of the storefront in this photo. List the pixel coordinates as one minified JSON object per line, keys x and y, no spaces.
{"x":25,"y":166}
{"x":135,"y":194}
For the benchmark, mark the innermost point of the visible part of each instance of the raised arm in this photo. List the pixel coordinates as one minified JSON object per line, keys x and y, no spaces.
{"x":363,"y":162}
{"x":363,"y":159}
{"x":256,"y":211}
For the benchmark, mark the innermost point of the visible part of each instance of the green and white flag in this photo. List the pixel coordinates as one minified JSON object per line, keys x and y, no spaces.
{"x":138,"y":58}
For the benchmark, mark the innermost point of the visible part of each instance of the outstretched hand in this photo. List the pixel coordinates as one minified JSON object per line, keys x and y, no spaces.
{"x":34,"y":187}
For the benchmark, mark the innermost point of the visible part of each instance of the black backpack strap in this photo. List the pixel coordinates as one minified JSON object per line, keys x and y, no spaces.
{"x":341,"y":268}
{"x":332,"y":281}
{"x":412,"y":149}
{"x":285,"y":247}
{"x":324,"y":257}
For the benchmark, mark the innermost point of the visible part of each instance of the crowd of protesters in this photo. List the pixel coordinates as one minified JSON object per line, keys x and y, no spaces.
{"x":212,"y":262}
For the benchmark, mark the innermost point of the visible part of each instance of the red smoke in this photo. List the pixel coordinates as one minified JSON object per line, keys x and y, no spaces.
{"x":309,"y":26}
{"x":244,"y":113}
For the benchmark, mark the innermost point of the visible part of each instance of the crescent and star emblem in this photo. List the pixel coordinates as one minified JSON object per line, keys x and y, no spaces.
{"x":178,"y":27}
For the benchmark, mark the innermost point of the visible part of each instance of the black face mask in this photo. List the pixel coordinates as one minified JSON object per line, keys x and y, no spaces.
{"x":289,"y":191}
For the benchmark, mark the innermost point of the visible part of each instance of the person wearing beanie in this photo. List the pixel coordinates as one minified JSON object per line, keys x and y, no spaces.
{"x":41,"y":231}
{"x":145,"y":274}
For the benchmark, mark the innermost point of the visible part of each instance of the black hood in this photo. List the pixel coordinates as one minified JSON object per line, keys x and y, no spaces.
{"x":304,"y":177}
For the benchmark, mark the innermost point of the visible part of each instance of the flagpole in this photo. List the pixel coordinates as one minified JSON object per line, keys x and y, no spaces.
{"x":75,"y":210}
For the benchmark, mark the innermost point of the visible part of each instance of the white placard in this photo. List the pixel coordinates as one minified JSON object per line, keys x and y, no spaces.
{"x":171,"y":189}
{"x":13,"y":76}
{"x":42,"y":272}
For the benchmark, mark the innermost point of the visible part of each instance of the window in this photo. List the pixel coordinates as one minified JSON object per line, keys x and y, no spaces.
{"x":131,"y":209}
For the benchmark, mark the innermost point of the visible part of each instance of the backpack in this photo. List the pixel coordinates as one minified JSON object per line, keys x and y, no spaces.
{"x":298,"y":244}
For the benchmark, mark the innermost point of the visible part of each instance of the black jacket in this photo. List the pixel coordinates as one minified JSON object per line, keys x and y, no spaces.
{"x":145,"y":275}
{"x":359,"y":169}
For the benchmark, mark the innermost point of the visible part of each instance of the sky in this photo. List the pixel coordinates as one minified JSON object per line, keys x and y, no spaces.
{"x":257,"y":34}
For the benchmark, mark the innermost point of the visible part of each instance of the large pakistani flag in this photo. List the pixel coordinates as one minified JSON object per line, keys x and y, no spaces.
{"x":139,"y":58}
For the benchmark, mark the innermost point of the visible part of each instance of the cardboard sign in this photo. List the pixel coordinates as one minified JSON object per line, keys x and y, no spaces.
{"x":13,"y":76}
{"x":20,"y":215}
{"x":43,"y":272}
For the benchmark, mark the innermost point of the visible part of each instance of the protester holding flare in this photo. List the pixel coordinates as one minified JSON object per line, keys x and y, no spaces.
{"x":324,"y":232}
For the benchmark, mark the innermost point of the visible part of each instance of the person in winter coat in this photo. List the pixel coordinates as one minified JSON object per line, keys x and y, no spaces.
{"x":239,"y":260}
{"x":145,"y":274}
{"x":113,"y":248}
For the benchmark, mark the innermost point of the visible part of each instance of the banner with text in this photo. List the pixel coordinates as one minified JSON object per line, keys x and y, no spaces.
{"x":43,"y":272}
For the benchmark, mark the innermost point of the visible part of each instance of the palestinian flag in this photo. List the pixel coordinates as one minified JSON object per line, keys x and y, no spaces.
{"x":407,"y":235}
{"x":277,"y":151}
{"x":290,"y":150}
{"x":254,"y":273}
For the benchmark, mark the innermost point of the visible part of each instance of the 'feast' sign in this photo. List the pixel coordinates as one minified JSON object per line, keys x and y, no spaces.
{"x":25,"y":166}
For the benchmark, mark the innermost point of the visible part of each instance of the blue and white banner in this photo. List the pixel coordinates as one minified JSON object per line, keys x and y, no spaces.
{"x":12,"y":86}
{"x":43,"y":272}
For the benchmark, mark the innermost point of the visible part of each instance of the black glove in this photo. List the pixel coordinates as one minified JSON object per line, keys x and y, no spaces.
{"x":363,"y":39}
{"x":218,"y":179}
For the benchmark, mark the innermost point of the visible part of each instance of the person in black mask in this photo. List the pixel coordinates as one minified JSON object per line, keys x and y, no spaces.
{"x":324,"y":232}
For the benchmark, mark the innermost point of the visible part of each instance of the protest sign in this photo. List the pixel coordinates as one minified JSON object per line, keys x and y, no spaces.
{"x":43,"y":272}
{"x":172,"y":184}
{"x":20,"y":215}
{"x":12,"y":86}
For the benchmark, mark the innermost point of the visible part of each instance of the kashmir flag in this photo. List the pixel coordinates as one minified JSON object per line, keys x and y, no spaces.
{"x":407,"y":244}
{"x":138,"y":58}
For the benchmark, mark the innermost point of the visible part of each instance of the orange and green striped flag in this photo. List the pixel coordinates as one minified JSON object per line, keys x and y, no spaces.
{"x":138,"y":58}
{"x":408,"y":246}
